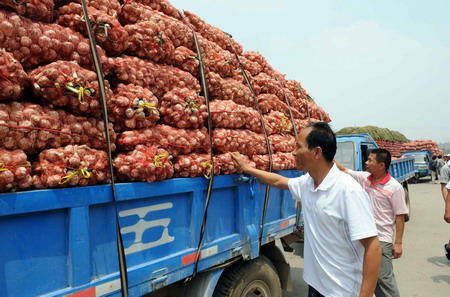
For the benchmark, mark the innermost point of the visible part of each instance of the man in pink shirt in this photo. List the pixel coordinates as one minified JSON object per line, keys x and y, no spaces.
{"x":389,"y":209}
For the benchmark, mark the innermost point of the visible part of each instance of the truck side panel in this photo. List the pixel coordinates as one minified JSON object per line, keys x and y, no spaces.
{"x":63,"y":243}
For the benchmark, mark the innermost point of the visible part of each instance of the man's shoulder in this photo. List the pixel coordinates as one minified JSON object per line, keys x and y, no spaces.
{"x":299,"y":180}
{"x":347,"y":182}
{"x":394,"y":184}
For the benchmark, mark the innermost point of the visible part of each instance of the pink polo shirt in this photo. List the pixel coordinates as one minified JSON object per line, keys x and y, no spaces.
{"x":388,"y":201}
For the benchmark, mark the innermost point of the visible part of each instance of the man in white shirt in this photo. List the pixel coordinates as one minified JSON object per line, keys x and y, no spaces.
{"x":447,"y":218}
{"x":342,"y":251}
{"x":389,"y":208}
{"x":444,"y":176}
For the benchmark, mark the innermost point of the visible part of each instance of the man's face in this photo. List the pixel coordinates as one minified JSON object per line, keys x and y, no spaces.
{"x":304,"y":157}
{"x":372,"y":166}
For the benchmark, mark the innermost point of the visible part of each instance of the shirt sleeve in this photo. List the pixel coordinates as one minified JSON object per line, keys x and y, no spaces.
{"x":448,"y":185}
{"x":295,"y":187}
{"x":359,"y":215}
{"x":359,"y":176}
{"x":445,"y":174}
{"x":398,"y":201}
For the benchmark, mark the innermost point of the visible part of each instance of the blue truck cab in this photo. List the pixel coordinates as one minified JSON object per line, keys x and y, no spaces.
{"x":353,"y":152}
{"x":421,"y":162}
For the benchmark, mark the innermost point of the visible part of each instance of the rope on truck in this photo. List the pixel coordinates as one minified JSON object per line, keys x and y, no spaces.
{"x":102,"y":93}
{"x":263,"y":125}
{"x":210,"y":164}
{"x":299,"y":205}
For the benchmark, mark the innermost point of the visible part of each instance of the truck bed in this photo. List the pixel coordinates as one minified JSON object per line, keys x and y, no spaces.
{"x":62,"y":242}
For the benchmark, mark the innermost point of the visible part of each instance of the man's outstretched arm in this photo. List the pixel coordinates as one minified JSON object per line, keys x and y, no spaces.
{"x":272,"y":179}
{"x":340,"y":166}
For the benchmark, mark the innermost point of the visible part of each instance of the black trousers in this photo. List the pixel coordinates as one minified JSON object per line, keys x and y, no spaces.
{"x":313,"y":293}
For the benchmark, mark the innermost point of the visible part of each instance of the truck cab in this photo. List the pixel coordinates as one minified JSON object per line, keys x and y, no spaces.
{"x":421,"y":162}
{"x":353,"y":150}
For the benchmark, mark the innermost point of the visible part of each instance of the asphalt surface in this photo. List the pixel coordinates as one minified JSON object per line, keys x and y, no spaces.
{"x":423,"y":270}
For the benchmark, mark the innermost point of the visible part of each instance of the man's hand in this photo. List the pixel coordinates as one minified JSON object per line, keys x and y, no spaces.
{"x":447,"y":208}
{"x":272,"y":179}
{"x":447,"y":216}
{"x":397,"y":250}
{"x":239,"y":162}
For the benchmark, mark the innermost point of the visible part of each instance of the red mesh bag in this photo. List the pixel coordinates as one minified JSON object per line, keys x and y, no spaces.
{"x":270,"y":102}
{"x":229,"y":89}
{"x":158,"y":78}
{"x":39,"y":10}
{"x":66,"y":84}
{"x":176,"y":141}
{"x":33,"y":128}
{"x":34,"y":43}
{"x":147,"y":40}
{"x":267,"y":85}
{"x":212,"y":33}
{"x":227,"y":114}
{"x":280,"y":161}
{"x":294,"y":86}
{"x":13,"y":78}
{"x":183,"y":108}
{"x":15,"y":171}
{"x":226,"y":164}
{"x":296,"y":103}
{"x":251,"y":67}
{"x":163,"y":6}
{"x":301,"y":124}
{"x":422,"y":145}
{"x":109,"y":33}
{"x":282,"y":143}
{"x":194,"y":165}
{"x":215,"y":58}
{"x":146,"y":163}
{"x":175,"y":30}
{"x":133,"y":107}
{"x":72,"y":165}
{"x":244,"y":141}
{"x":111,"y":7}
{"x":258,"y":58}
{"x":186,"y":60}
{"x":277,"y":123}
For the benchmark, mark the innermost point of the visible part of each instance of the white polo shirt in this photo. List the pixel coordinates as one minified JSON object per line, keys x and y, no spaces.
{"x":337,"y":215}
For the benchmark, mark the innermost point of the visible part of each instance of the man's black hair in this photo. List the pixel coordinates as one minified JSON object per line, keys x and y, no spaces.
{"x":322,"y":135}
{"x":440,"y":157}
{"x":382,"y":156}
{"x":434,"y":158}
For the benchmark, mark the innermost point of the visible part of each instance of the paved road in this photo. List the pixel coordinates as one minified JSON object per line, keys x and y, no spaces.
{"x":423,"y":270}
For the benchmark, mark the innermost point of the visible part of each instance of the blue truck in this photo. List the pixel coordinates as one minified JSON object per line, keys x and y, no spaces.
{"x":63,"y":242}
{"x":353,"y":152}
{"x":421,"y":161}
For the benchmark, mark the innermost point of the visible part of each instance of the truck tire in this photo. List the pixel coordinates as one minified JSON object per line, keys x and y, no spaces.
{"x":415,"y":179}
{"x":255,"y":278}
{"x":408,"y":205}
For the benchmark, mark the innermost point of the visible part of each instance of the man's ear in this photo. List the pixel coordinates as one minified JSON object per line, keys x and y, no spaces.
{"x":318,"y":152}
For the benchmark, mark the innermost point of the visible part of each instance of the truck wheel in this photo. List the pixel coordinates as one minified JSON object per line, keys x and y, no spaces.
{"x":408,"y":205}
{"x":255,"y":278}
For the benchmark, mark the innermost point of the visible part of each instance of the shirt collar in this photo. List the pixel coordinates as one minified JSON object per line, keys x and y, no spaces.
{"x":328,"y":181}
{"x":381,"y":182}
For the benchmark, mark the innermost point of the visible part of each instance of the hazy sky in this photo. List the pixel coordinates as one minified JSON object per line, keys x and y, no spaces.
{"x":384,"y":63}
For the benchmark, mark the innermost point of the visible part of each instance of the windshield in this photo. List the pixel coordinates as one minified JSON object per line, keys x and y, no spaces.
{"x":345,"y":154}
{"x":418,"y":158}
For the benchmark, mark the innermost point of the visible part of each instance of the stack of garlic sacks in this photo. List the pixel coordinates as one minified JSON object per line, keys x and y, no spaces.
{"x":51,"y":126}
